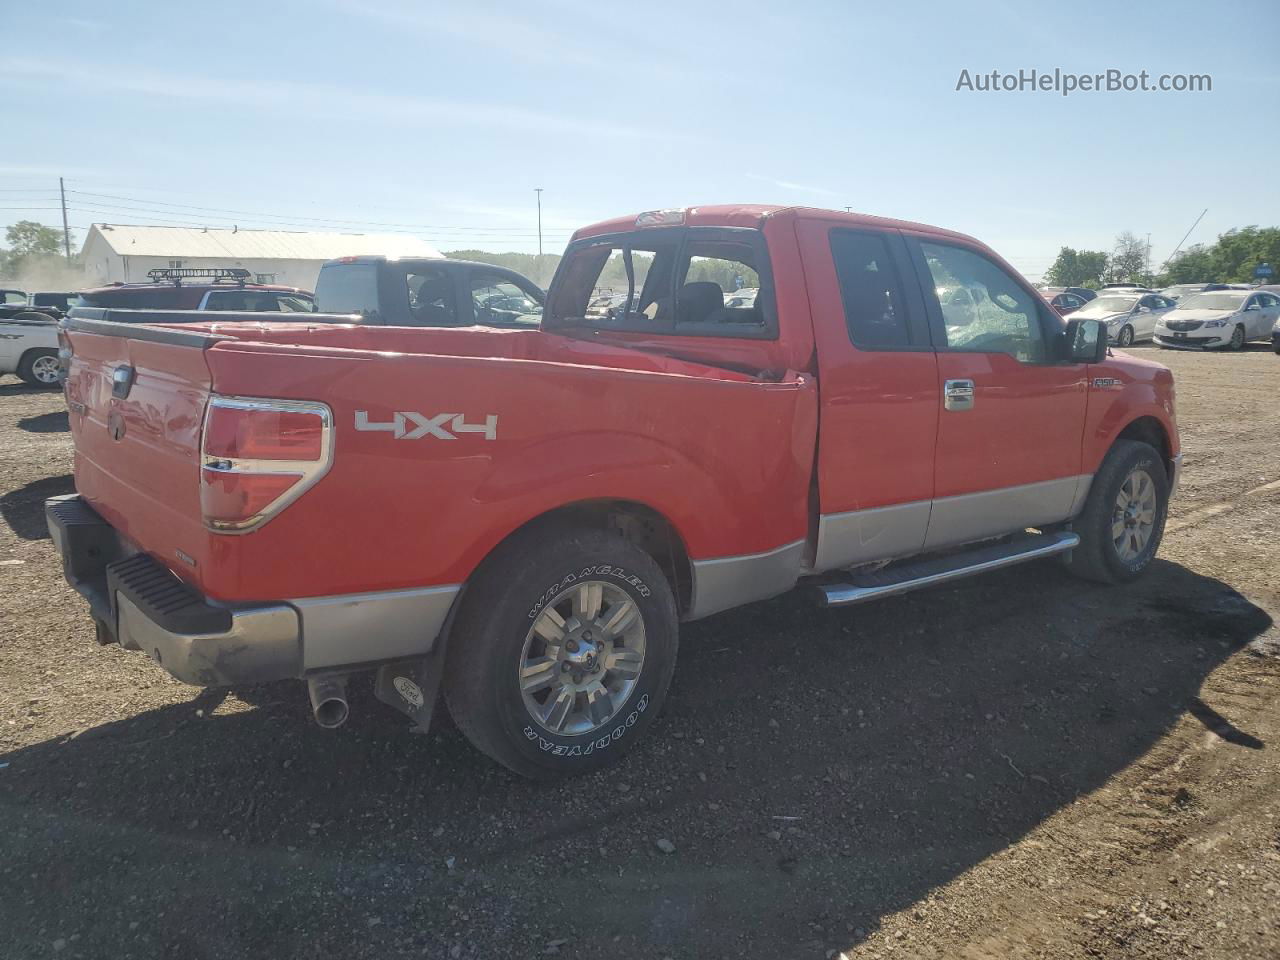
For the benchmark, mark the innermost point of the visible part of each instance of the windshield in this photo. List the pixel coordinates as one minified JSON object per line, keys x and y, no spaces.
{"x":1110,"y":305}
{"x":1213,"y":301}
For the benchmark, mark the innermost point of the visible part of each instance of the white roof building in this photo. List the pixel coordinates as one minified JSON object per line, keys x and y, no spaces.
{"x":125,"y":252}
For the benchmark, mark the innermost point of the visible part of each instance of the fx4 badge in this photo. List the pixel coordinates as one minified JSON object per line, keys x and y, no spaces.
{"x":407,"y":425}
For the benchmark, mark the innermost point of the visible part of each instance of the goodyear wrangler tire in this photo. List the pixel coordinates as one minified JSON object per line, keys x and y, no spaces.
{"x":1123,"y":519}
{"x":563,"y":651}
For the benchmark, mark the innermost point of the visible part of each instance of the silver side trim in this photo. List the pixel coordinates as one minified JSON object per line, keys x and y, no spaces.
{"x":732,"y":581}
{"x":368,"y":627}
{"x":860,"y":536}
{"x":1083,"y":487}
{"x":990,"y":513}
{"x":843,"y":594}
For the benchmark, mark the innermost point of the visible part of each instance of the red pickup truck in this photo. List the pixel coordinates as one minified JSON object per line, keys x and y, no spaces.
{"x":524,"y":516}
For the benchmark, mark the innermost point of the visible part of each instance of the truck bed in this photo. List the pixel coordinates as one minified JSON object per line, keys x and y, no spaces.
{"x":576,"y":420}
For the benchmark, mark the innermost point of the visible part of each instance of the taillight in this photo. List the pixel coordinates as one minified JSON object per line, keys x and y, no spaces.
{"x":258,"y":456}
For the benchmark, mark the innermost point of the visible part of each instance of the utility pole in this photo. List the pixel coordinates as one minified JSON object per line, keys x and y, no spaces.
{"x":1148,"y":278}
{"x":66,"y":233}
{"x":538,"y":191}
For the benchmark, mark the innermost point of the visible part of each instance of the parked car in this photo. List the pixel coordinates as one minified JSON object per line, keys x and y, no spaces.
{"x":428,"y":292}
{"x":13,"y":297}
{"x":1130,"y":316}
{"x":1219,"y":318}
{"x":1116,"y":287}
{"x":1066,"y":303}
{"x":39,"y":306}
{"x":1275,"y":336}
{"x":742,"y":297}
{"x":258,"y":502}
{"x":198,"y":288}
{"x":1084,"y":293}
{"x":29,"y":348}
{"x":1180,"y":290}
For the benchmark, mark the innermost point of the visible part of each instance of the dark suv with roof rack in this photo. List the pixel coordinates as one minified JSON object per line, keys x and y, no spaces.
{"x":195,"y":288}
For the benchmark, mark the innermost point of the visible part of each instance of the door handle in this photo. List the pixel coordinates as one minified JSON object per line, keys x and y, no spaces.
{"x":957,"y":395}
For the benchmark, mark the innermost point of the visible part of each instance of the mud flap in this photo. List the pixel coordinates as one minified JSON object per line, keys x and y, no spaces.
{"x":411,"y":687}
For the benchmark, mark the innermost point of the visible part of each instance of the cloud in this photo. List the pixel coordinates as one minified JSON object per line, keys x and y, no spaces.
{"x":313,"y":99}
{"x":492,"y":30}
{"x":793,"y":186}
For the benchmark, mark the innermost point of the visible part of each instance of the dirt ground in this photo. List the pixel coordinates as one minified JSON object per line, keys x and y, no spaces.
{"x":1023,"y":765}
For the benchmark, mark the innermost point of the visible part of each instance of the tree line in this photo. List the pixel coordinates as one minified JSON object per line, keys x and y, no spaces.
{"x":1229,"y":259}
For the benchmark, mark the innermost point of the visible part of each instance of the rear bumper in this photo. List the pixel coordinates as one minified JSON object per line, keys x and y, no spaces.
{"x":137,"y":602}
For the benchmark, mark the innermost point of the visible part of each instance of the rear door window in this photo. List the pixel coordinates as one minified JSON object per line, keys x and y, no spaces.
{"x":875,"y":308}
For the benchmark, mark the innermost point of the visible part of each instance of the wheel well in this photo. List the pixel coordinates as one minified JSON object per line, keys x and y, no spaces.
{"x":1150,"y":431}
{"x":642,"y":525}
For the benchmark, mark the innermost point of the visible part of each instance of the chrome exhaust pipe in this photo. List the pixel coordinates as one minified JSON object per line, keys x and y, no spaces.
{"x":329,"y":700}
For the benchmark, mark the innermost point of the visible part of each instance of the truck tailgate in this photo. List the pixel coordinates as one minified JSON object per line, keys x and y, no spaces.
{"x":136,"y":397}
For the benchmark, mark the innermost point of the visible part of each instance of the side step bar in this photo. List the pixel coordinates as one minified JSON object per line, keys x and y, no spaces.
{"x":928,"y":573}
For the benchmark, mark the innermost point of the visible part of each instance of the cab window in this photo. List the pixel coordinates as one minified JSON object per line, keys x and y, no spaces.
{"x":430,"y":292}
{"x":499,"y":302}
{"x":983,"y":308}
{"x":670,"y":281}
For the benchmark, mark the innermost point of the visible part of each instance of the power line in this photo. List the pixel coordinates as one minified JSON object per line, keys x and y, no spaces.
{"x":148,"y":204}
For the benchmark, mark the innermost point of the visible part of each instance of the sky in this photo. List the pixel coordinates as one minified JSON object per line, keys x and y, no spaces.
{"x":441,"y":119}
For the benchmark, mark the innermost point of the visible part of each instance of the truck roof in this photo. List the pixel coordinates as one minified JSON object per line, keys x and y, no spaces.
{"x":754,"y":216}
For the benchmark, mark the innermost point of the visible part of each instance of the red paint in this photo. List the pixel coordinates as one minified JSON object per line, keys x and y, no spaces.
{"x":727,"y":456}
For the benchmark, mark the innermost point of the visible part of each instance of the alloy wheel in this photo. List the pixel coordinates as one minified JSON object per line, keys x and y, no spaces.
{"x":582,"y":658}
{"x":45,"y":369}
{"x":1133,"y":519}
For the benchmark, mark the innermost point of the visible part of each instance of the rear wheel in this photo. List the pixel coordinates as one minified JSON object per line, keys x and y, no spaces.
{"x":1237,"y":338}
{"x":1123,"y":519}
{"x":1126,"y":337}
{"x":563,"y":651}
{"x":39,"y":368}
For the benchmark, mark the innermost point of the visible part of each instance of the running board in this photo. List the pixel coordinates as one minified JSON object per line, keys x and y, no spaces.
{"x":928,"y":573}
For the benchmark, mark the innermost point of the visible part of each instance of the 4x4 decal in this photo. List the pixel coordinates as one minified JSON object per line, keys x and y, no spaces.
{"x":409,"y":425}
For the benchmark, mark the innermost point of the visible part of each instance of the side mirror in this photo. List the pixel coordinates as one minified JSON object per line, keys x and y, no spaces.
{"x":1086,"y":341}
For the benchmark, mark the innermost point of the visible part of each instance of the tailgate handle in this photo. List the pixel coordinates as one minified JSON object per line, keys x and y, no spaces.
{"x":122,"y":381}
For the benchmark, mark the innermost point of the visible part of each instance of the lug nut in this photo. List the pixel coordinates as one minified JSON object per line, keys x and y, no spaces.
{"x":572,"y":646}
{"x":564,"y":667}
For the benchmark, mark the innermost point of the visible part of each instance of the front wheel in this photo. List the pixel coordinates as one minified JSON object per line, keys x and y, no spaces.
{"x":39,"y":368}
{"x":1126,"y":337}
{"x":1237,"y":338}
{"x":1123,"y":519}
{"x":563,"y":651}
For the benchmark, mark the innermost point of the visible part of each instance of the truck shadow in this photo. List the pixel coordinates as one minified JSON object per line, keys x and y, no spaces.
{"x":55,"y":422}
{"x":815,"y":770}
{"x":23,"y":508}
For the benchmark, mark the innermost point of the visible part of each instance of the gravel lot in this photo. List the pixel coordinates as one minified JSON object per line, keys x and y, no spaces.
{"x":1020,"y":766}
